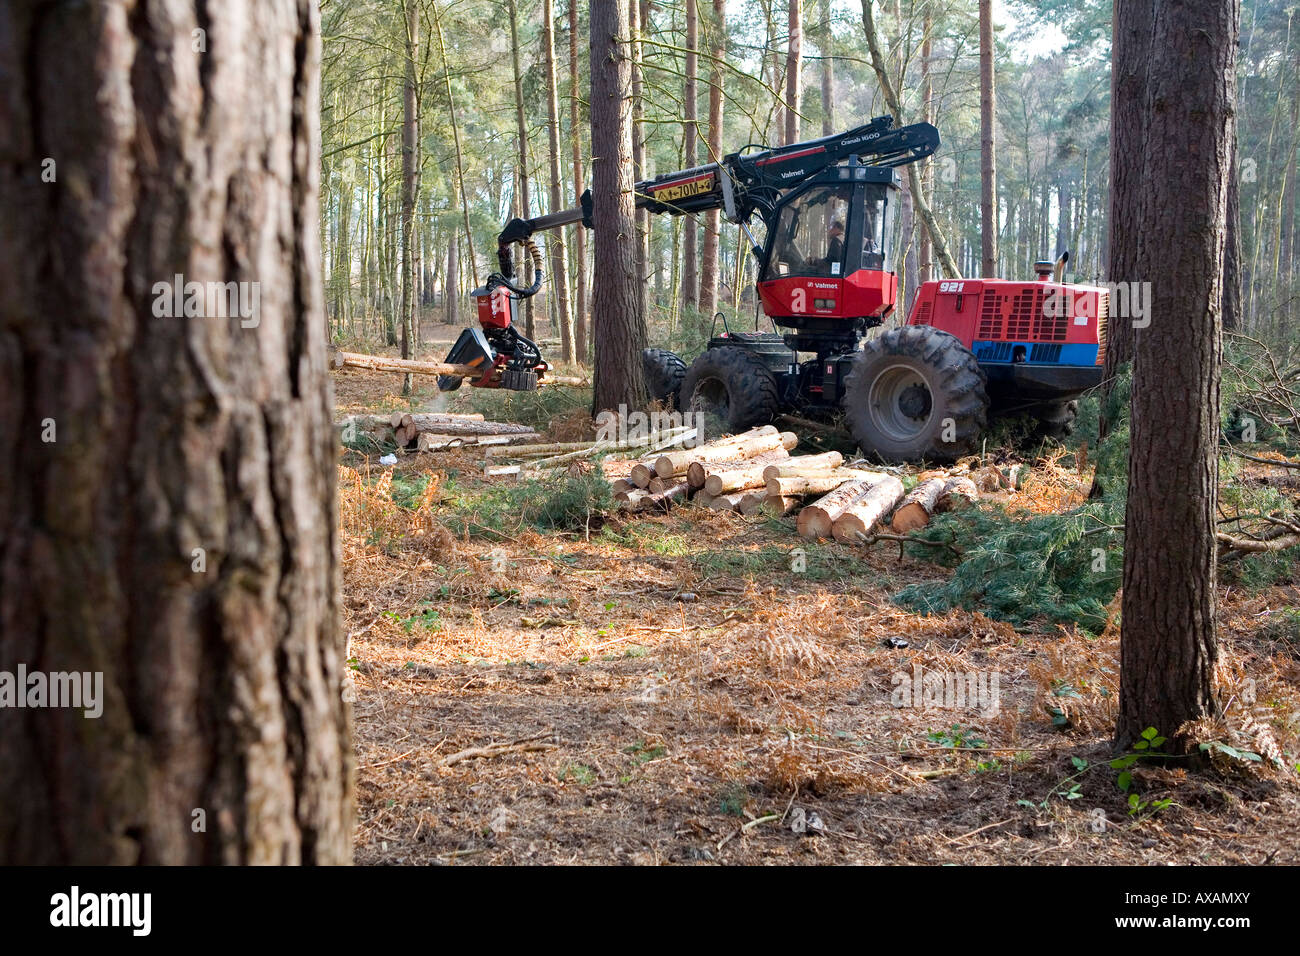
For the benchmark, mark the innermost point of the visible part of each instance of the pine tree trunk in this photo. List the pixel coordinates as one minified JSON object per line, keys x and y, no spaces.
{"x":523,"y":206}
{"x":713,"y":219}
{"x":828,"y":70}
{"x":794,"y":71}
{"x":1168,"y":646}
{"x":620,"y":326}
{"x":690,"y":132}
{"x":580,"y":325}
{"x":410,"y":184}
{"x":635,"y":11}
{"x":559,"y":266}
{"x":925,"y":252}
{"x":988,"y":160}
{"x":167,"y":484}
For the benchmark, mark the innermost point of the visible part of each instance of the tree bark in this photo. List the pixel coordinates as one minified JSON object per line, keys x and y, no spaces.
{"x":920,"y":205}
{"x":130,"y":440}
{"x":642,"y":217}
{"x":559,"y":265}
{"x":794,"y":71}
{"x":410,"y":184}
{"x":690,"y":133}
{"x":1168,"y":645}
{"x":713,"y":218}
{"x":580,"y":324}
{"x":828,"y":70}
{"x":620,"y":324}
{"x":523,"y":203}
{"x":1232,"y":315}
{"x":988,"y":160}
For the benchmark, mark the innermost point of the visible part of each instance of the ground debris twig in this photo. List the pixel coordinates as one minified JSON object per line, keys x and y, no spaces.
{"x":546,"y":741}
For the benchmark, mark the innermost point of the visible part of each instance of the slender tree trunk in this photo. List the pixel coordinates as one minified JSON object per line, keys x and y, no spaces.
{"x":455,"y":133}
{"x":524,"y":200}
{"x":925,"y":251}
{"x":559,"y":267}
{"x":410,"y":184}
{"x":167,"y":482}
{"x":921,"y":207}
{"x":1232,"y":316}
{"x":712,"y":219}
{"x":828,"y":70}
{"x":794,"y":72}
{"x":620,"y":326}
{"x":451,"y":287}
{"x":642,"y":217}
{"x":988,"y":161}
{"x":1168,"y":647}
{"x":690,"y":133}
{"x":580,"y":327}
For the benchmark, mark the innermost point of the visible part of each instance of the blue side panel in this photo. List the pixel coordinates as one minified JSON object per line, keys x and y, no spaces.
{"x":1037,"y":353}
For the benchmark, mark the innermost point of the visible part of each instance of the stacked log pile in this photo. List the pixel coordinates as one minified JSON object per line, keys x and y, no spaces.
{"x":436,"y":431}
{"x":755,"y":472}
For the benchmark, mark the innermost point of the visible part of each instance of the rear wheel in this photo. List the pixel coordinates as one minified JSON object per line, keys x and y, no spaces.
{"x":664,"y":372}
{"x":1057,"y":421}
{"x":731,"y":390}
{"x":916,"y":393}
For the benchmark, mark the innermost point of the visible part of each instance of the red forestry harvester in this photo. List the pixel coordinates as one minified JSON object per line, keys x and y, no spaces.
{"x":826,"y":274}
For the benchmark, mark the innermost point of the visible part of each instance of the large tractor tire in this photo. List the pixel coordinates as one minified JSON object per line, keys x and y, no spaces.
{"x":664,"y":372}
{"x":916,"y":393}
{"x":731,"y":390}
{"x":1057,"y":421}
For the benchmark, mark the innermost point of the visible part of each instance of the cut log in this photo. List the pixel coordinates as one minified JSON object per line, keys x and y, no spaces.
{"x":918,"y":505}
{"x":663,"y":500}
{"x":659,"y":485}
{"x":497,"y":470}
{"x":620,"y":485}
{"x":816,"y":520}
{"x":640,"y":475}
{"x":779,"y":505}
{"x":698,"y":472}
{"x":735,"y":479}
{"x":702,"y":498}
{"x":428,"y":441}
{"x":959,"y":492}
{"x":728,"y":502}
{"x":742,"y":446}
{"x":631,"y":500}
{"x":752,"y":501}
{"x":866,"y":510}
{"x":818,"y":484}
{"x":533,"y":450}
{"x":804,"y":465}
{"x":380,"y":363}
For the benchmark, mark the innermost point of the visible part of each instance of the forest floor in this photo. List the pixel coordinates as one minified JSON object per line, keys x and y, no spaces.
{"x":674,"y":691}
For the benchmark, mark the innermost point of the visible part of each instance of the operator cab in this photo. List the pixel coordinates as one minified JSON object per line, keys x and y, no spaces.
{"x":828,"y":261}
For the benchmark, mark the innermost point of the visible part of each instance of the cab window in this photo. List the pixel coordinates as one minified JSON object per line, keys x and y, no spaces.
{"x":812,"y":234}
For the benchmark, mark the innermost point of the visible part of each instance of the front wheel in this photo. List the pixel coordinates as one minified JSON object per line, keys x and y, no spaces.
{"x":915,"y":394}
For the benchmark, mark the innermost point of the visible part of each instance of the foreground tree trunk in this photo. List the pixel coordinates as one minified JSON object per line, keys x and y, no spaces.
{"x":1168,"y":647}
{"x":620,"y":325}
{"x":167,"y":485}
